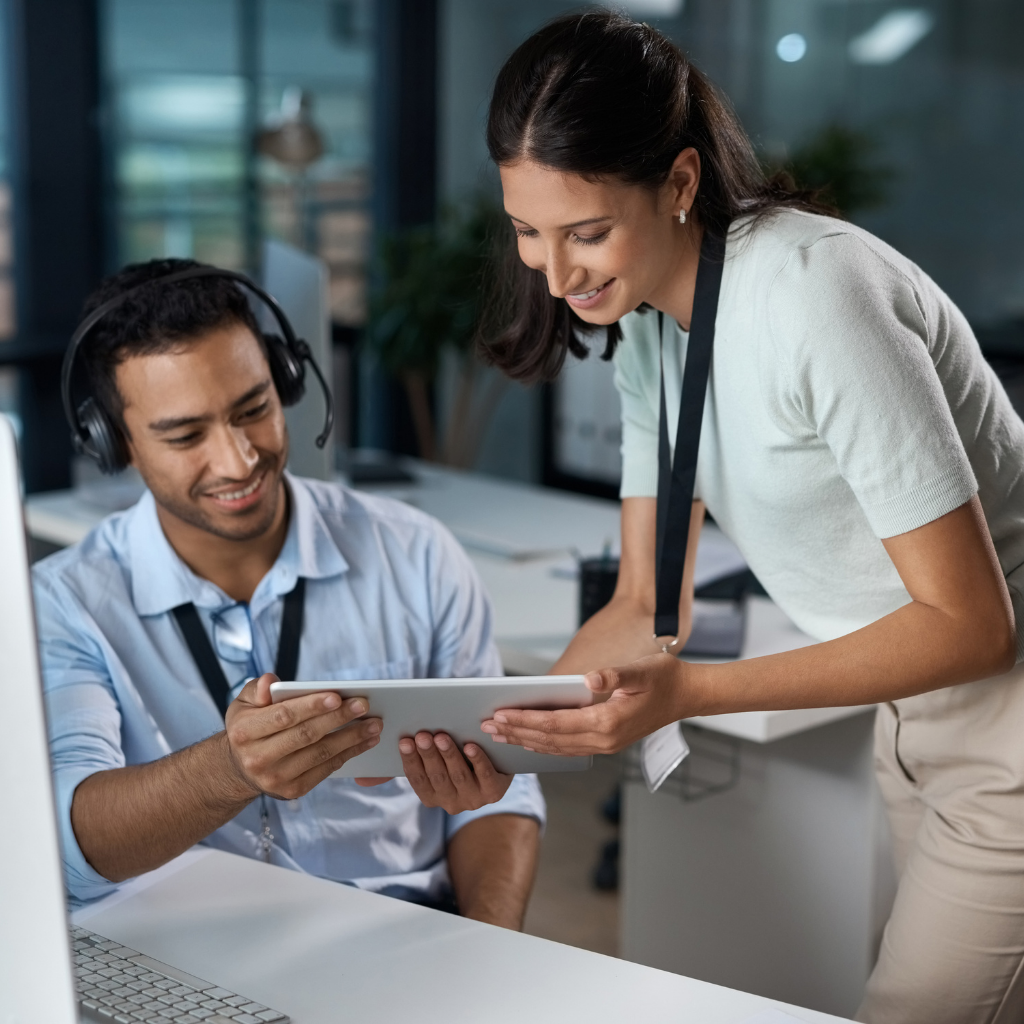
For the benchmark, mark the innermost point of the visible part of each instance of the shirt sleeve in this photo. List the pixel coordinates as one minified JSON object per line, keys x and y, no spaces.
{"x":83,"y":720}
{"x":850,"y":362}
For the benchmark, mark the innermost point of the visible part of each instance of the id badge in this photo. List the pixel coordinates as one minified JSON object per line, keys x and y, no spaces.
{"x":661,"y":754}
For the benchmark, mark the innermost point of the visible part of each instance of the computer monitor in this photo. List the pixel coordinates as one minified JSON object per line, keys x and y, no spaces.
{"x":35,"y":960}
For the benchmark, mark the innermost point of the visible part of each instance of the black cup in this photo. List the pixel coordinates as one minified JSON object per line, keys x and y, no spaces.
{"x":598,"y":577}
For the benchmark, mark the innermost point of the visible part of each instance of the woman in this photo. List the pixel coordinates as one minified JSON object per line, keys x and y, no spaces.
{"x":855,"y":446}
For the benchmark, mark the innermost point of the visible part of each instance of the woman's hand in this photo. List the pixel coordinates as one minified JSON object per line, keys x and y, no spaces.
{"x":644,"y":696}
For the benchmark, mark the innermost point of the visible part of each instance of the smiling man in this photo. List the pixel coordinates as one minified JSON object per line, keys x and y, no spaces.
{"x":225,"y":539}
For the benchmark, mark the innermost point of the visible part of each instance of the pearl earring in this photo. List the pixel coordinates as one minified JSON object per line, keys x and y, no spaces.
{"x":682,"y":216}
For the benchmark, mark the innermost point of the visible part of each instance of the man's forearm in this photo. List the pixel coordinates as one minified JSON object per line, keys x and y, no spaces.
{"x":131,"y":820}
{"x":492,"y":862}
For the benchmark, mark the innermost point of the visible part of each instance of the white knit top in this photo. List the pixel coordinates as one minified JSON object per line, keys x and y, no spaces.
{"x":848,"y":401}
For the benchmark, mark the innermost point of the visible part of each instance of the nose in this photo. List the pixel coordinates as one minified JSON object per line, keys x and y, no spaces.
{"x":233,"y":456}
{"x":562,"y":276}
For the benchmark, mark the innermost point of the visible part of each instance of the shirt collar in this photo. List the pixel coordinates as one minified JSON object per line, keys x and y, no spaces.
{"x":161,"y":580}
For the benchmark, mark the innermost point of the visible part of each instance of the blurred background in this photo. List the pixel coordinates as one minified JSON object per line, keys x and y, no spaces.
{"x":353,"y":130}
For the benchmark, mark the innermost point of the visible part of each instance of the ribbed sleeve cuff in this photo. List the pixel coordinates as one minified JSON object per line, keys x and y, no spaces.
{"x":639,"y":478}
{"x":922,"y":504}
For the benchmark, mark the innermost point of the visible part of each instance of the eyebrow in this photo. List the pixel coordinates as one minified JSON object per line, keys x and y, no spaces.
{"x":177,"y":422}
{"x":574,"y":224}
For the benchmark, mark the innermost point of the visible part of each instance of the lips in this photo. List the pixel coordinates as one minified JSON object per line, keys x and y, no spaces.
{"x":240,"y":497}
{"x":587,"y":300}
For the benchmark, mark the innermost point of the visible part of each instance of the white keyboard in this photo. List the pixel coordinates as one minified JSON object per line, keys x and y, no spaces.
{"x":115,"y":983}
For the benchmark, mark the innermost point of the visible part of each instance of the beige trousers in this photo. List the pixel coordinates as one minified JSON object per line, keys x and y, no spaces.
{"x":951,"y":768}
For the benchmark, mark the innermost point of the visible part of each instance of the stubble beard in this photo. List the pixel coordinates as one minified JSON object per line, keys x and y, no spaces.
{"x":248,"y":528}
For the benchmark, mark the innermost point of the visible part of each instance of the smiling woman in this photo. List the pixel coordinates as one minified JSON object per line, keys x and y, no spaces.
{"x":853,"y":443}
{"x":653,"y":105}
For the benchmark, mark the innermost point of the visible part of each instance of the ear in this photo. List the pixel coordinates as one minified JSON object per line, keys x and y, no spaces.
{"x":683,"y":180}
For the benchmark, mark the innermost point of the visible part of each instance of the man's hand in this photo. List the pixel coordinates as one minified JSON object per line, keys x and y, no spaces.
{"x":644,"y":696}
{"x":286,"y":749}
{"x":441,"y":777}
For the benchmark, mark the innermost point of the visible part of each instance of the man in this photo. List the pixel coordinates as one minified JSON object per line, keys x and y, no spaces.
{"x":144,"y":764}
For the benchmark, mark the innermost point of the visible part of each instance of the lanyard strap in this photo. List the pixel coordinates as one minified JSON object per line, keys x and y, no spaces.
{"x":676,"y":477}
{"x":205,"y":657}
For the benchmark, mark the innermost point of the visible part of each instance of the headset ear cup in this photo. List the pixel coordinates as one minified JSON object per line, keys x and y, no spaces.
{"x":102,"y":440}
{"x":286,"y":370}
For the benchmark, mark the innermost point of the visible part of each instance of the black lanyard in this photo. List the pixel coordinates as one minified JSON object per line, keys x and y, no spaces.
{"x":206,"y":658}
{"x":676,"y":477}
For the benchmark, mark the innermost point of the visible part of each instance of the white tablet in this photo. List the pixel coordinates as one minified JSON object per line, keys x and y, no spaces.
{"x":454,"y":706}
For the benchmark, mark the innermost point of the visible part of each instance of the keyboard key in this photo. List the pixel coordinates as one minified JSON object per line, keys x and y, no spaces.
{"x":247,"y":1018}
{"x":165,"y":983}
{"x":124,"y":952}
{"x":270,"y":1015}
{"x":90,"y":1003}
{"x":252,"y":1008}
{"x":143,"y":1015}
{"x":218,"y":993}
{"x":122,"y":1018}
{"x":105,"y":1012}
{"x":182,"y":990}
{"x":151,"y":977}
{"x":219,"y":1019}
{"x":200,"y":1014}
{"x":213,"y":1004}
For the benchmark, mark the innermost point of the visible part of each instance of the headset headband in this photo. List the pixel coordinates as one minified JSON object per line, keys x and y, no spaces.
{"x":299,"y":348}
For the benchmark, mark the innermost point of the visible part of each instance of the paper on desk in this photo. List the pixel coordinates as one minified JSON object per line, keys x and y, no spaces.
{"x":772,"y":1017}
{"x":661,"y":754}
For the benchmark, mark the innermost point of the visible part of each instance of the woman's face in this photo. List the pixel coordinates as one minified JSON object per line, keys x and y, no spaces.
{"x":605,"y":247}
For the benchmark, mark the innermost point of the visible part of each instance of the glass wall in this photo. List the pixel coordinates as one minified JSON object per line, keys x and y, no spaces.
{"x":189,"y":86}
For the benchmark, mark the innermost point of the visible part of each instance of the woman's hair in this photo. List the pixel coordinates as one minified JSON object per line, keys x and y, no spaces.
{"x":605,"y":97}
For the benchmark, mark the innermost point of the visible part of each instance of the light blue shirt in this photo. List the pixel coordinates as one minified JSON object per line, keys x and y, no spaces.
{"x":389,"y":594}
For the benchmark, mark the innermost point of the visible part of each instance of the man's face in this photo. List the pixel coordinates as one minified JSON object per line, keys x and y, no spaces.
{"x":207,"y":431}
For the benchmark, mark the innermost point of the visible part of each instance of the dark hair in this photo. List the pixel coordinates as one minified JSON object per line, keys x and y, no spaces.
{"x":156,"y":318}
{"x":603,"y":96}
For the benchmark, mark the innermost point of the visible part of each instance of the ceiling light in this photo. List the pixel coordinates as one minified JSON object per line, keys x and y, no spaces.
{"x":893,"y":35}
{"x":791,"y":48}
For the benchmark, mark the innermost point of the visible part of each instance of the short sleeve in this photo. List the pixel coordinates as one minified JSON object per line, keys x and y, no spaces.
{"x":639,"y":413}
{"x":83,"y":719}
{"x":851,"y":362}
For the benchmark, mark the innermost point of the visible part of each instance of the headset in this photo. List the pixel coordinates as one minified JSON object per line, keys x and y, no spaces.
{"x":93,"y":432}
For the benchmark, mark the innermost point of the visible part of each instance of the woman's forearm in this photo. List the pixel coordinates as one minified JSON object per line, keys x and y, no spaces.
{"x":912,"y":650}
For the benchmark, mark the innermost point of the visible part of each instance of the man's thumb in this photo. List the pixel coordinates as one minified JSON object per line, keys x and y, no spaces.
{"x":261,"y":698}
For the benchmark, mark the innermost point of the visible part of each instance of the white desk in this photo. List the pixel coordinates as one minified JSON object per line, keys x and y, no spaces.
{"x":324,"y":953}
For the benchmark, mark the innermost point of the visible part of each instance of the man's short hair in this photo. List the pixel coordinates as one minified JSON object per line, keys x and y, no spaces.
{"x":157,"y":318}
